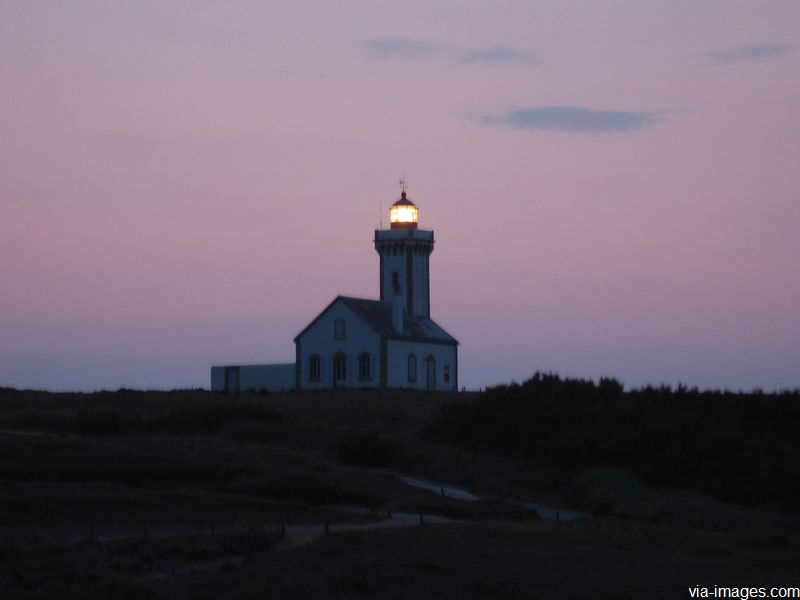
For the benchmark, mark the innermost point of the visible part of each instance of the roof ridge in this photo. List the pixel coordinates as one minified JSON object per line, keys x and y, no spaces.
{"x":341,"y":297}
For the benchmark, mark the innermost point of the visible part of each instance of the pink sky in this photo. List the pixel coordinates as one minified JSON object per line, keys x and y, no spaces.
{"x":613,"y":186}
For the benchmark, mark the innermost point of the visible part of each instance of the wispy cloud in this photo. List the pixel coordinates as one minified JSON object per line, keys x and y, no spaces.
{"x":496,"y":55}
{"x":746,"y":53}
{"x":384,"y":49}
{"x":574,"y":119}
{"x":400,"y":49}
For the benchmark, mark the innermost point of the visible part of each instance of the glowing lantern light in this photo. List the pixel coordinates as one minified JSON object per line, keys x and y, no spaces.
{"x":403,"y":214}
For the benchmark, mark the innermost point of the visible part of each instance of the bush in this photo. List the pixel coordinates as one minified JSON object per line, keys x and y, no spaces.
{"x":601,"y":491}
{"x":615,"y":492}
{"x":100,"y":423}
{"x":369,"y":450}
{"x":740,"y":447}
{"x":210,"y":417}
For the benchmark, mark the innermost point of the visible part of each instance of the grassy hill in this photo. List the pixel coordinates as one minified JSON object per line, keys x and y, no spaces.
{"x":184,"y":494}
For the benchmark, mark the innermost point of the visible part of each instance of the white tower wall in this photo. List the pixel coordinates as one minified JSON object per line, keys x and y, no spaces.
{"x":404,"y":256}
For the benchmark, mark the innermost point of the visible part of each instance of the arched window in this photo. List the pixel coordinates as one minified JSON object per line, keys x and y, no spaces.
{"x":314,"y":367}
{"x":412,"y":368}
{"x":339,"y":368}
{"x":338,"y":329}
{"x":364,"y":366}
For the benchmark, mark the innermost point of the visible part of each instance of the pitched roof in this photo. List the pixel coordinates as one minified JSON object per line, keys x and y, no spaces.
{"x":378,"y":315}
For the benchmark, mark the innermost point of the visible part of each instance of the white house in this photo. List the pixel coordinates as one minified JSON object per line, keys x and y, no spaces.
{"x":359,"y":343}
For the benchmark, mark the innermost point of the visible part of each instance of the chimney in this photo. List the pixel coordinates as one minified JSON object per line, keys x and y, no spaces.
{"x":398,"y":308}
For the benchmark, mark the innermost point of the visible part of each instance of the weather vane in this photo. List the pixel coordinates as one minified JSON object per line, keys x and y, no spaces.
{"x":403,"y":184}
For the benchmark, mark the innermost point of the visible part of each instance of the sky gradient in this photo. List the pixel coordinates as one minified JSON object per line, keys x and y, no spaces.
{"x":613,"y":186}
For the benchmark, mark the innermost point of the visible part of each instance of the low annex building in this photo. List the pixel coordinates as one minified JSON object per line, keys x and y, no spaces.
{"x":359,"y":343}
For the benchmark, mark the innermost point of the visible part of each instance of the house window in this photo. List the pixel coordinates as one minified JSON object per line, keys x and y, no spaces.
{"x":364,"y":366}
{"x":338,"y":329}
{"x":314,"y":367}
{"x":447,"y":373}
{"x":412,"y":368}
{"x":339,"y":368}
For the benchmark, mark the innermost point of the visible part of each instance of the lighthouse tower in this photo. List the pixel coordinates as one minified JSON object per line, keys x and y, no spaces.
{"x":404,"y":250}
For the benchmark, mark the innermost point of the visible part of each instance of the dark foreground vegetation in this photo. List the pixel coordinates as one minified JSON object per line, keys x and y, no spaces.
{"x":190,"y":494}
{"x":738,"y":447}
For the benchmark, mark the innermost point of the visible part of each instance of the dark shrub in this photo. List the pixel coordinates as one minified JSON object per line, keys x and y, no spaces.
{"x":368,"y":449}
{"x":99,"y":423}
{"x":210,"y":417}
{"x":740,"y":447}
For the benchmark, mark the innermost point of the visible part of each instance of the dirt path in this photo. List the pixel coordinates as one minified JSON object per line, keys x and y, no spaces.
{"x":545,"y":511}
{"x":300,"y":535}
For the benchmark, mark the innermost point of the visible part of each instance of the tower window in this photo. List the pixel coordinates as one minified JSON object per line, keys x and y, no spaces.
{"x":314,"y":368}
{"x":364,"y":366}
{"x":412,"y":368}
{"x":338,"y":329}
{"x":395,"y":281}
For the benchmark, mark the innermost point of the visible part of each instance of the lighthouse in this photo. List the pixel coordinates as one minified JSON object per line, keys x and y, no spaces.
{"x":404,"y":251}
{"x":363,"y":343}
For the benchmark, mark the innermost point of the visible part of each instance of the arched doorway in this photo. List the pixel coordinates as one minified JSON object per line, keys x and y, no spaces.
{"x":339,"y":369}
{"x":430,"y":364}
